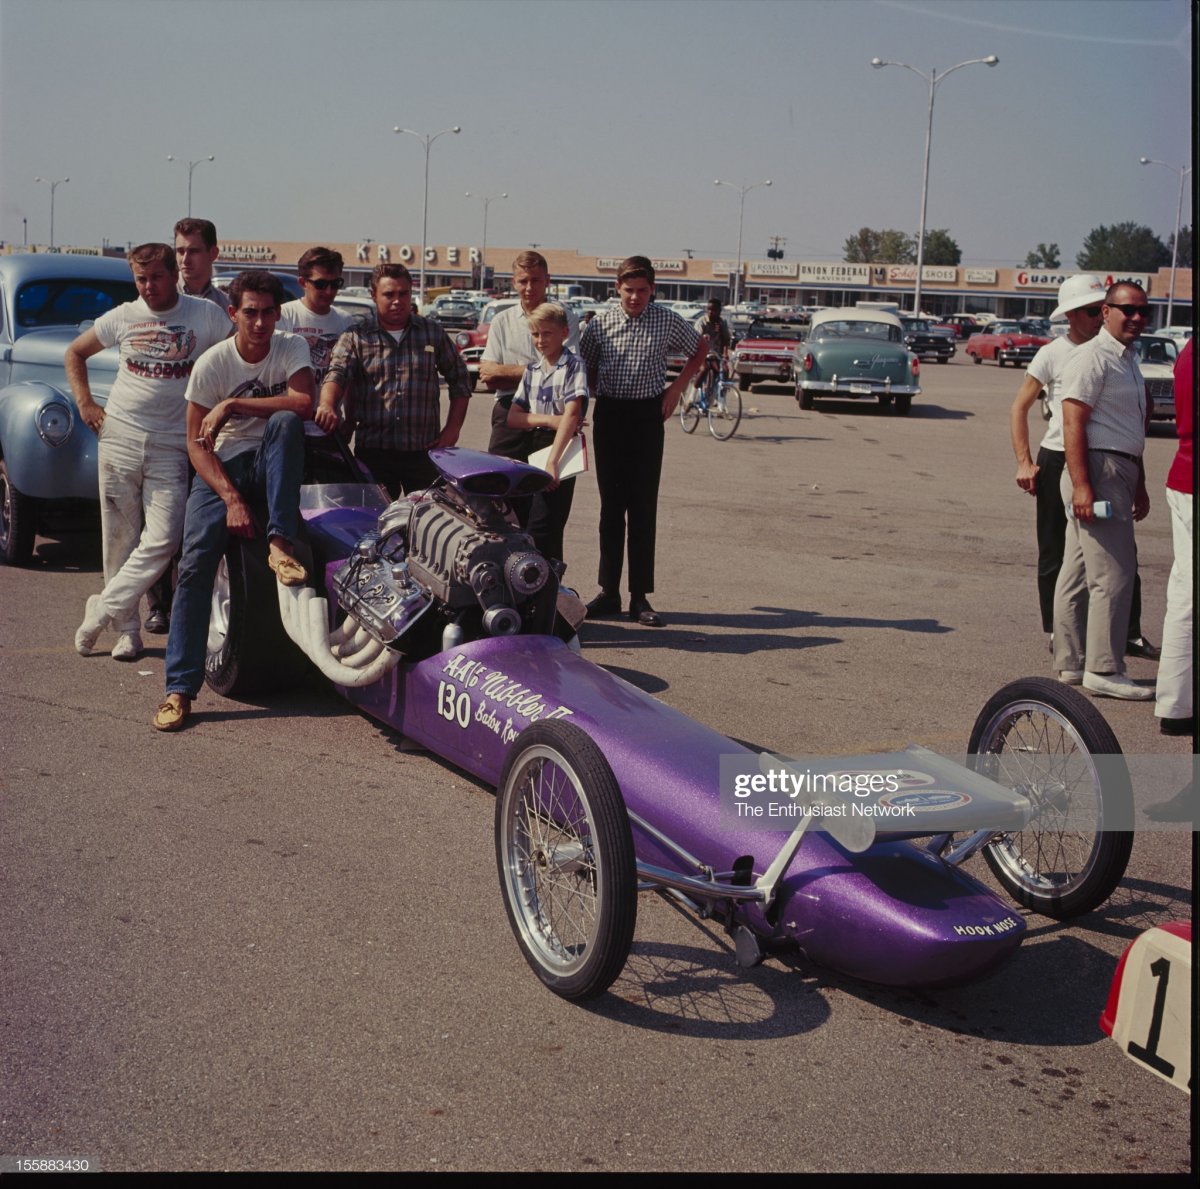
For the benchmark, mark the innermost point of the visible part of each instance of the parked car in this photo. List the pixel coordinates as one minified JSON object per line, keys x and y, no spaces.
{"x":46,"y":451}
{"x":223,"y":278}
{"x":767,"y":351}
{"x":928,"y":341}
{"x":454,"y":313}
{"x":471,"y":343}
{"x":1180,"y":334}
{"x":964,"y":324}
{"x":853,"y":353}
{"x":1006,"y":341}
{"x":1157,"y":354}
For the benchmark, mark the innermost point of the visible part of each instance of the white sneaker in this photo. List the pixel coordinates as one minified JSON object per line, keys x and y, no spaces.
{"x":128,"y":647}
{"x":94,"y":622}
{"x":1117,"y":685}
{"x":1071,"y":676}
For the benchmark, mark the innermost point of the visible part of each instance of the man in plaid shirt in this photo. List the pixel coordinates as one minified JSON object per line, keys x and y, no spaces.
{"x":625,"y":350}
{"x":387,"y":376}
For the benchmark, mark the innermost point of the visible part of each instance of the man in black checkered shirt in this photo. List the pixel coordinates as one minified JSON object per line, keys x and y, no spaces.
{"x":625,"y":350}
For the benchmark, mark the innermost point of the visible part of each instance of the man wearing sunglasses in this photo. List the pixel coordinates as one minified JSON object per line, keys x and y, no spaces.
{"x":313,"y":316}
{"x":1105,"y":409}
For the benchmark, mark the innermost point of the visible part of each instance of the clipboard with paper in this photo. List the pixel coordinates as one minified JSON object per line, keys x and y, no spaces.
{"x":574,"y":460}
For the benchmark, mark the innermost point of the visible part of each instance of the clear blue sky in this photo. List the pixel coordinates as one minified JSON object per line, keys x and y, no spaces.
{"x":606,"y":121}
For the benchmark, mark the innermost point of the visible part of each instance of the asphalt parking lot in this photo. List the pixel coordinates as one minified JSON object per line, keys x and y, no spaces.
{"x":275,"y":941}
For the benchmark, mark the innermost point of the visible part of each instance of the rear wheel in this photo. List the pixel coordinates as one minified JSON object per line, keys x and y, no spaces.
{"x":744,"y":383}
{"x":18,"y":521}
{"x":903,"y":404}
{"x":725,"y":412}
{"x":1049,"y":743}
{"x":248,"y":650}
{"x":564,"y":853}
{"x":806,"y":398}
{"x":976,"y":358}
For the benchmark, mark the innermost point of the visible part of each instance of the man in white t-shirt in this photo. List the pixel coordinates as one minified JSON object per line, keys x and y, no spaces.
{"x":248,"y":399}
{"x":313,"y":316}
{"x":142,"y":454}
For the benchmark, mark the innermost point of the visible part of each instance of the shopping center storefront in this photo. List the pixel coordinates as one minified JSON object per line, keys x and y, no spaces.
{"x":945,"y":289}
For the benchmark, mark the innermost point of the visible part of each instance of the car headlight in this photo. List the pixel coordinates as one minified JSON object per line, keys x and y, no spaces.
{"x":54,"y":422}
{"x":463,"y":339}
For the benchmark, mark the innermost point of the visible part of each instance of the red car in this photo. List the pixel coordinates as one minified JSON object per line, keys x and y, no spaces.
{"x":470,"y":343}
{"x":767,"y":351}
{"x":1006,"y":342}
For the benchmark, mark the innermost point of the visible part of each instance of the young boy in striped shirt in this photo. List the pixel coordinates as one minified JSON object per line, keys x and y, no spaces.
{"x":551,"y":401}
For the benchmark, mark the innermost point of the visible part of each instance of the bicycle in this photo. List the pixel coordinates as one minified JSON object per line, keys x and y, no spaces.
{"x":716,"y":397}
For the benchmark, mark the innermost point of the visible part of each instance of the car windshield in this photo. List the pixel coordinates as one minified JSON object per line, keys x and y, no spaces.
{"x":853,"y":328}
{"x":488,"y":315}
{"x":1005,"y":328}
{"x":68,"y":301}
{"x":773,"y":330}
{"x":1156,"y":350}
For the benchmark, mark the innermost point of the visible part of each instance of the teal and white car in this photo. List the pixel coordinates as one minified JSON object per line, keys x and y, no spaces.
{"x":851,"y":353}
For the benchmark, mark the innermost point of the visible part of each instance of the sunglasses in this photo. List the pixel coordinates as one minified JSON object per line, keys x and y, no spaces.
{"x":322,"y":283}
{"x":1092,"y":311}
{"x":1131,"y":311}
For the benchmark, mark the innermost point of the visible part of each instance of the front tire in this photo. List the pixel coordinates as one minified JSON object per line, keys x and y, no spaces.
{"x":1040,"y":738}
{"x":564,"y":853}
{"x":18,"y":522}
{"x":726,"y":414}
{"x":248,"y":650}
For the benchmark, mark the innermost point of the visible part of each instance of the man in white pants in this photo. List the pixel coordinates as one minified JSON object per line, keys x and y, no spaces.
{"x":142,"y":455}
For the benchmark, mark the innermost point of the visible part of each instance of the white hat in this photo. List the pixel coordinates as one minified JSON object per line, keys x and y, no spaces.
{"x":1083,"y":289}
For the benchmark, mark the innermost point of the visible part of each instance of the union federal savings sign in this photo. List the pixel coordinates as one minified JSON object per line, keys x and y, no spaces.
{"x":611,"y":264}
{"x":819,"y":273}
{"x":1026,"y":279}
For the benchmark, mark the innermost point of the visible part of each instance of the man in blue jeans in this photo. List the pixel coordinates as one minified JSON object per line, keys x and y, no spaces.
{"x":248,"y":398}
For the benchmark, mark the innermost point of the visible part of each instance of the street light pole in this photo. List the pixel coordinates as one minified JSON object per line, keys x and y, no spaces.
{"x":191,"y":167}
{"x":933,"y":79}
{"x":1183,"y":171}
{"x":53,"y":186}
{"x":427,"y":140}
{"x":742,"y":192}
{"x":487,"y":200}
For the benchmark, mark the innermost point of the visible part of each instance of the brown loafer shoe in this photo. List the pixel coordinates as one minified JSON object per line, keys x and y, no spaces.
{"x":287,"y":569}
{"x":173,"y":713}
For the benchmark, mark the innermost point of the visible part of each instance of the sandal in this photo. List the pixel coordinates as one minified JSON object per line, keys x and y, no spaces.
{"x":173,"y":712}
{"x":287,"y":569}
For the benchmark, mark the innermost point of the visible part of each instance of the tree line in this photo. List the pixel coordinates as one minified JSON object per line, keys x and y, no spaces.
{"x":1123,"y":247}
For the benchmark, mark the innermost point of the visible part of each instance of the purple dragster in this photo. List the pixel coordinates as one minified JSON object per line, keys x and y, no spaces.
{"x":437,"y":615}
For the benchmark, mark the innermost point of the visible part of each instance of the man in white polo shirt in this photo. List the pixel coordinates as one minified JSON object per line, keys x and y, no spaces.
{"x":1104,"y":410}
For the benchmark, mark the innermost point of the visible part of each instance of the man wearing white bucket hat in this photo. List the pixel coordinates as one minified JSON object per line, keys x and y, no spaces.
{"x":1104,"y":409}
{"x":1080,"y":299}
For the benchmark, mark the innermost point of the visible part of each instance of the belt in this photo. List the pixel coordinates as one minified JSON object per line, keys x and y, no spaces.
{"x":1118,"y":453}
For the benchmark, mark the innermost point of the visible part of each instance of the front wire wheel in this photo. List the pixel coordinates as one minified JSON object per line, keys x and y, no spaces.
{"x":725,"y":412}
{"x":564,"y":853}
{"x":689,"y":410}
{"x":1042,"y":739}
